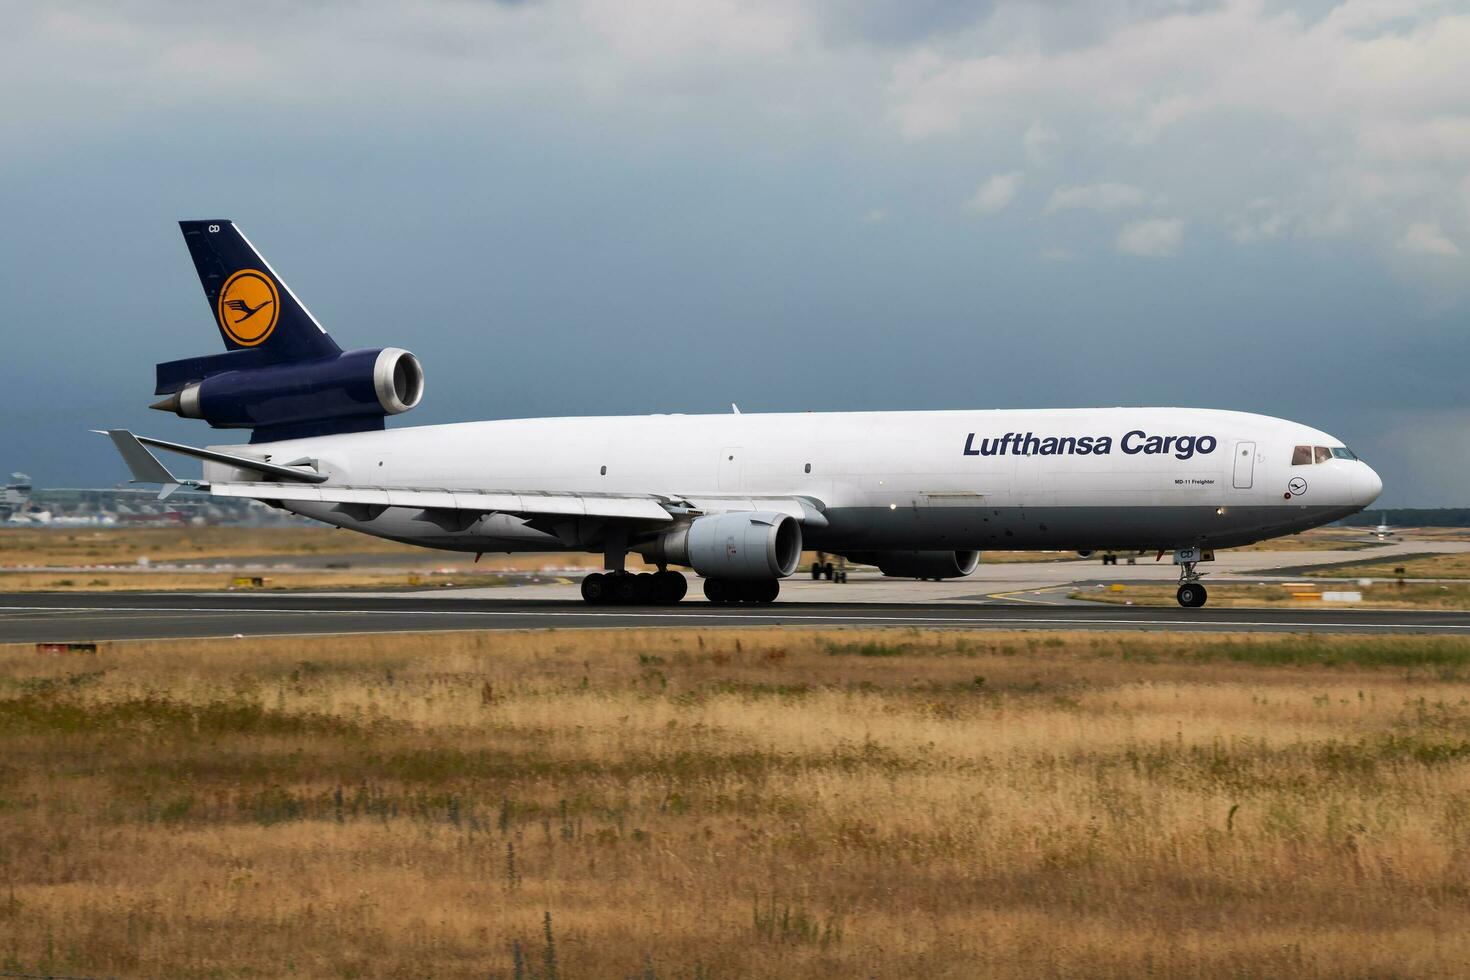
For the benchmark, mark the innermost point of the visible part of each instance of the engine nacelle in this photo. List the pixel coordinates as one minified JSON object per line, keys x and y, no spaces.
{"x":359,"y":384}
{"x":741,"y":545}
{"x":920,"y":564}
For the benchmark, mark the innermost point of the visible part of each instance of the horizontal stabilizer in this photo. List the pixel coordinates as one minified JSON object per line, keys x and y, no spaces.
{"x":147,"y":469}
{"x":144,"y":466}
{"x":239,"y":462}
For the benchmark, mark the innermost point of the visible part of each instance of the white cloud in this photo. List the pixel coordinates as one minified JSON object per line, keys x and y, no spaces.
{"x":1425,"y":238}
{"x":1356,"y":121}
{"x":875,"y":216}
{"x":1038,"y":142}
{"x":996,"y":194}
{"x":1267,"y":219}
{"x":1154,"y":237}
{"x":1095,"y":197}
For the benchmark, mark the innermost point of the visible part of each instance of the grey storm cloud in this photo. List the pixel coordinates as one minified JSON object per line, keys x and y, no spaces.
{"x":593,"y":206}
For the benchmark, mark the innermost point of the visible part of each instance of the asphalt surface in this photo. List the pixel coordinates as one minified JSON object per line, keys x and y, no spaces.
{"x":33,"y":617}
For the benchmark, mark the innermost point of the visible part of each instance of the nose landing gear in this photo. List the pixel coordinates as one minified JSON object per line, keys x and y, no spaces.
{"x":1191,"y":594}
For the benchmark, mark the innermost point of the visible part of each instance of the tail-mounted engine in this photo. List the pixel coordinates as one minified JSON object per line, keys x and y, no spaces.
{"x":350,"y":391}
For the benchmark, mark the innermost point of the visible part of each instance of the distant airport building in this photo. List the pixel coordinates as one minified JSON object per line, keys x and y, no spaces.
{"x":17,"y":495}
{"x":24,"y":505}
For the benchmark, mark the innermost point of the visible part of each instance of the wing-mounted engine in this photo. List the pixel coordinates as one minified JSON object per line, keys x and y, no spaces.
{"x":919,"y":564}
{"x":740,"y":545}
{"x":349,"y":391}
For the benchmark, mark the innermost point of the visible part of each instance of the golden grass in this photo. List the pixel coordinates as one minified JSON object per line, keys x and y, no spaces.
{"x":1456,"y":565}
{"x":101,"y":546}
{"x":1009,"y":557}
{"x":738,"y":803}
{"x":275,"y":580}
{"x":1380,"y":595}
{"x":1317,"y":539}
{"x":68,"y":547}
{"x":1436,"y":533}
{"x":73,"y":547}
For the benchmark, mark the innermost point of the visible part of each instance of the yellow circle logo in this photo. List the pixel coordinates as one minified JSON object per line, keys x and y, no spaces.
{"x":249,"y":307}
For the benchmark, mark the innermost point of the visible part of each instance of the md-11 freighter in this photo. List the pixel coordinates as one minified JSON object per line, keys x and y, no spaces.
{"x":734,"y":497}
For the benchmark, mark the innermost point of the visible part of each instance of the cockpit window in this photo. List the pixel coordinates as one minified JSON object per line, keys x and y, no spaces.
{"x":1308,"y":455}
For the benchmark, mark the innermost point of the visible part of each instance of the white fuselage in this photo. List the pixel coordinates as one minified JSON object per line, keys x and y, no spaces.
{"x":1071,"y":479}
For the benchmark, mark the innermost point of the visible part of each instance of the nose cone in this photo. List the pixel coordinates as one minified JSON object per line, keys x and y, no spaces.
{"x":1366,"y":485}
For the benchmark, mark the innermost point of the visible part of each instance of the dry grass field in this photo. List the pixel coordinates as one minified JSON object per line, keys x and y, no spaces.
{"x":275,"y":580}
{"x":25,"y":548}
{"x":1380,"y":595}
{"x":1456,"y":565}
{"x":1437,"y":533}
{"x":738,"y":804}
{"x":84,"y":546}
{"x":1318,"y":539}
{"x":101,"y":546}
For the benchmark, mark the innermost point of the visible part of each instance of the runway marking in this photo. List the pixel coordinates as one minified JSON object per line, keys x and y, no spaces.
{"x":1016,"y":597}
{"x":773,"y":618}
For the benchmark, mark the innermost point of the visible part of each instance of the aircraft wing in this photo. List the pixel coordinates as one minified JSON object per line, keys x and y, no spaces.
{"x":297,"y":481}
{"x":651,"y":507}
{"x":529,"y":504}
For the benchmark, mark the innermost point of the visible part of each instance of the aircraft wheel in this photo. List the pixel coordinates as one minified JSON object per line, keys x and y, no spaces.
{"x":645,"y":588}
{"x":670,"y":586}
{"x":594,"y":588}
{"x":765,"y":591}
{"x":624,"y":588}
{"x":719,"y":590}
{"x":1192,"y":595}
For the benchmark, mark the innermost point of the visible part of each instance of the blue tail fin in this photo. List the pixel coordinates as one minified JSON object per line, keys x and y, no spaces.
{"x":259,"y":319}
{"x":251,"y":305}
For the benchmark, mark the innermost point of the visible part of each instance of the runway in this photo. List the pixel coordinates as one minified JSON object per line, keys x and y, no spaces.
{"x":54,"y":617}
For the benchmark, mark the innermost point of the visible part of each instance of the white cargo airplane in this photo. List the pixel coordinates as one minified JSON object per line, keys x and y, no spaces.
{"x":734,"y":497}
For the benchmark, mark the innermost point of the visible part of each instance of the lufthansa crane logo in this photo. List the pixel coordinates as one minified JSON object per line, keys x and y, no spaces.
{"x":249,"y":307}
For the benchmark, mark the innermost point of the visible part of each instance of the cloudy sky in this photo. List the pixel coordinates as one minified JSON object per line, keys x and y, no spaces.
{"x":625,"y":206}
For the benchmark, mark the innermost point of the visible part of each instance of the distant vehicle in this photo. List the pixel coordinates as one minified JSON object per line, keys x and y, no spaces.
{"x":734,"y":497}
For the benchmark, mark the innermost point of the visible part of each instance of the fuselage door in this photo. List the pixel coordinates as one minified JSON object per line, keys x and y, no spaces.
{"x":732,"y":466}
{"x":1245,"y":464}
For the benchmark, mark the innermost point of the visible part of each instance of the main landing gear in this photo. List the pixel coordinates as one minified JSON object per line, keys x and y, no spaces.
{"x":625,"y":588}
